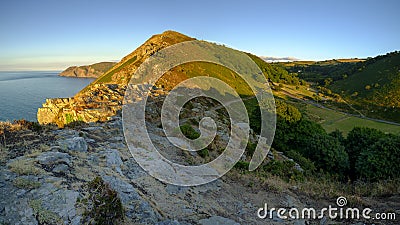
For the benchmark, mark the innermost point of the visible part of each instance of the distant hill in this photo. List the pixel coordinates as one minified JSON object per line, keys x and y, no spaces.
{"x":318,"y":71}
{"x":377,"y":78}
{"x":375,"y":87}
{"x":94,"y":70}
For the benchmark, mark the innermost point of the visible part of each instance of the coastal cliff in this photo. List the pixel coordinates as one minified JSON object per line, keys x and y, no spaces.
{"x":88,"y":71}
{"x":103,"y":97}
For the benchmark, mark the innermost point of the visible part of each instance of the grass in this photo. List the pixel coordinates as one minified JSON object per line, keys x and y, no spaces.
{"x":107,"y":77}
{"x":43,"y":215}
{"x":332,"y":120}
{"x":25,"y":166}
{"x":102,"y":205}
{"x":24,"y":183}
{"x":103,"y":66}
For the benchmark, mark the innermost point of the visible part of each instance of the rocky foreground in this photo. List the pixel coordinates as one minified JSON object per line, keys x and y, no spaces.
{"x":52,"y":176}
{"x":44,"y":181}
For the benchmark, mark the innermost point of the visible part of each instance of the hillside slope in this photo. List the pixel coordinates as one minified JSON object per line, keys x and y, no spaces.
{"x":94,"y":70}
{"x":378,"y":80}
{"x":375,"y":87}
{"x":123,"y":70}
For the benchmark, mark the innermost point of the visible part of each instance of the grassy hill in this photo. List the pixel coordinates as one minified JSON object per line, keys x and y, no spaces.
{"x":319,"y":71}
{"x":370,"y":86}
{"x":122,"y":72}
{"x":375,"y":87}
{"x":377,"y":77}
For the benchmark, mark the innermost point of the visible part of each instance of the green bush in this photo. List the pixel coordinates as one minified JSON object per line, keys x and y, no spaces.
{"x":242,"y":165}
{"x":381,"y":160}
{"x":69,"y":118}
{"x":250,"y":148}
{"x":284,"y":169}
{"x":203,"y":153}
{"x":306,"y":164}
{"x":359,"y":140}
{"x":327,"y":153}
{"x":189,"y":132}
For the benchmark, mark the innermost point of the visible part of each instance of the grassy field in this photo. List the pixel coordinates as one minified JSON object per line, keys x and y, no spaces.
{"x":332,"y":120}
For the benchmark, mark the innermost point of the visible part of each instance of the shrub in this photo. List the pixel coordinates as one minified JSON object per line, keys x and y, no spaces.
{"x":306,"y":164}
{"x":250,"y":148}
{"x":380,"y":161}
{"x":203,"y":153}
{"x":242,"y":165}
{"x":25,"y":166}
{"x":69,"y":118}
{"x":189,"y":132}
{"x":327,"y":153}
{"x":102,"y":205}
{"x":283,"y":169}
{"x":358,"y":140}
{"x":43,"y":215}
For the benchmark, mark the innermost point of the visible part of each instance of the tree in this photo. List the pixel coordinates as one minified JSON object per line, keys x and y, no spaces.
{"x":358,"y":140}
{"x":381,"y":160}
{"x":327,"y":153}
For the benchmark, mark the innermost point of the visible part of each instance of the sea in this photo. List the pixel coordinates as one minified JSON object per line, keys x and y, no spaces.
{"x":22,"y":93}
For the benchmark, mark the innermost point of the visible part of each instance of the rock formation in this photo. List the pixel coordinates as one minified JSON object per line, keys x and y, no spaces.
{"x":89,"y":71}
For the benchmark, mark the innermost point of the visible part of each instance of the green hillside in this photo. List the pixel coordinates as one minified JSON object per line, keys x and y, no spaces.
{"x":377,"y":78}
{"x":375,"y":88}
{"x":368,"y":87}
{"x":103,"y":66}
{"x":319,"y":71}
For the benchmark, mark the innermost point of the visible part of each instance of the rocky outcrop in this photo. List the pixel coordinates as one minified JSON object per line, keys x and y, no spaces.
{"x":89,"y":71}
{"x":98,"y":104}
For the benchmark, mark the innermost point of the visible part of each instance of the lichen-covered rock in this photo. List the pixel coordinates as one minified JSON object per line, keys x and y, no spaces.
{"x":73,"y":144}
{"x":52,"y":158}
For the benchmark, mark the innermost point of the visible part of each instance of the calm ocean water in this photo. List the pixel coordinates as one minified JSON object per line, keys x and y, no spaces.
{"x":22,"y":93}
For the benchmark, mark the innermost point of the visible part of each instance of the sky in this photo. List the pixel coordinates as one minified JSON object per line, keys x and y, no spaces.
{"x":52,"y":35}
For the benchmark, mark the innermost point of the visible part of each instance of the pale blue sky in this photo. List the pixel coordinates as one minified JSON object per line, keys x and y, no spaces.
{"x":44,"y":35}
